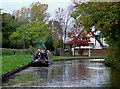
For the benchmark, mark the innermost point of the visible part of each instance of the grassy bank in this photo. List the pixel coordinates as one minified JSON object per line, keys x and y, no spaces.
{"x":10,"y":63}
{"x":55,"y":58}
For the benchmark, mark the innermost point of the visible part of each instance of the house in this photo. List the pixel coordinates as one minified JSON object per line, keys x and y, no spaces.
{"x":97,"y":47}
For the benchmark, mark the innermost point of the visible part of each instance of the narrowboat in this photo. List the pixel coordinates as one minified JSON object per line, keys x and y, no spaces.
{"x":41,"y":58}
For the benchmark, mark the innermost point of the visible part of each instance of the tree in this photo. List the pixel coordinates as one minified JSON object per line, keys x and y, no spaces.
{"x":55,"y":31}
{"x":49,"y":43}
{"x":63,"y":17}
{"x":78,"y":37}
{"x":9,"y":25}
{"x":22,"y":16}
{"x":38,"y":12}
{"x":34,"y":31}
{"x":0,"y":28}
{"x":105,"y":17}
{"x":35,"y":12}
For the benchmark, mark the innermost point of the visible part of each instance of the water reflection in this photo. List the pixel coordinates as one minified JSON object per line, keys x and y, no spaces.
{"x":76,"y":73}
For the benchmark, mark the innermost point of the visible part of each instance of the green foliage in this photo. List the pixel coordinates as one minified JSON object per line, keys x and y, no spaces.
{"x":9,"y":25}
{"x":59,"y":32}
{"x":38,"y":12}
{"x":102,"y":15}
{"x":7,"y":52}
{"x":105,"y":17}
{"x":113,"y":57}
{"x":55,"y":31}
{"x":60,"y":44}
{"x":49,"y":43}
{"x":35,"y":31}
{"x":35,"y":12}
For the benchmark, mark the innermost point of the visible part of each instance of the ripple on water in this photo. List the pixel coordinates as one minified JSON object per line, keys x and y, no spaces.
{"x":98,"y":68}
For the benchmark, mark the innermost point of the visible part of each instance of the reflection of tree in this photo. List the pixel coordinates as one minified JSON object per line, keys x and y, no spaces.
{"x":79,"y":71}
{"x":114,"y":78}
{"x":40,"y":76}
{"x":70,"y":72}
{"x":41,"y":73}
{"x":57,"y":73}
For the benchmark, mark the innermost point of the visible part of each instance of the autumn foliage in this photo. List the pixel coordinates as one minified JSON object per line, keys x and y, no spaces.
{"x":80,"y":38}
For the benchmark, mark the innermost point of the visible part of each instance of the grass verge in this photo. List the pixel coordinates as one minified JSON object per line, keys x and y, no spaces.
{"x":10,"y":63}
{"x":55,"y":58}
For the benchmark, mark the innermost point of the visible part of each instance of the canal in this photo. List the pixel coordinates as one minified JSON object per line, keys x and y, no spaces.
{"x":75,"y":73}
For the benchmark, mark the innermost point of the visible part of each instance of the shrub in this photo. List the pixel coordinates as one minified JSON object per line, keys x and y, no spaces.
{"x":6,"y":52}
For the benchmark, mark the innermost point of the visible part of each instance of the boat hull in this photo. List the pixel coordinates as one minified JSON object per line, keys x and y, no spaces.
{"x":40,"y":64}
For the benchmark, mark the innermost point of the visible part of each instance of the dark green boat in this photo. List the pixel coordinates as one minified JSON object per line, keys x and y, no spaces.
{"x":41,"y":58}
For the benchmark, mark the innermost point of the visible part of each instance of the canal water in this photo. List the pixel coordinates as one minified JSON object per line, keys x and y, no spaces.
{"x":75,"y":73}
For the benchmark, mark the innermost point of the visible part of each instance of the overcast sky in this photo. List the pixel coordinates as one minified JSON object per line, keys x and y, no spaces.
{"x":10,"y":5}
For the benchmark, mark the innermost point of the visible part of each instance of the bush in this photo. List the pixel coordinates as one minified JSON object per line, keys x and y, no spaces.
{"x":49,"y":44}
{"x":6,"y":52}
{"x":113,"y":57}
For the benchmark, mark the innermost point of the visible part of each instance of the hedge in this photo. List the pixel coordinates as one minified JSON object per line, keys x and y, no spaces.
{"x":6,"y":52}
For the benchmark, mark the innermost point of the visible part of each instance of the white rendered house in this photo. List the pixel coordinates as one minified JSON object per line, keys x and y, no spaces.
{"x":94,"y":44}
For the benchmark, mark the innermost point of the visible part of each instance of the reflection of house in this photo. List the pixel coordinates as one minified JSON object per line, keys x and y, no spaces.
{"x":96,"y":43}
